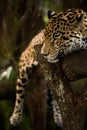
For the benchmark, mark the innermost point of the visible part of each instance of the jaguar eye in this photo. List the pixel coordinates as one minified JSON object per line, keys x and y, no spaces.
{"x":56,"y":35}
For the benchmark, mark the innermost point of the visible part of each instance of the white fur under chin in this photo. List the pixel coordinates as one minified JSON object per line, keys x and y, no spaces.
{"x":53,"y":60}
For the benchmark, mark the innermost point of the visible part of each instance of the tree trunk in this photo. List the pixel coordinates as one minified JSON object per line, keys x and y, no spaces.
{"x":37,"y":102}
{"x":72,"y":105}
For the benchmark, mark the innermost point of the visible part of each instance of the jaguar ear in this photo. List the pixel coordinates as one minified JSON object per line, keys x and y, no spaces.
{"x":50,"y":13}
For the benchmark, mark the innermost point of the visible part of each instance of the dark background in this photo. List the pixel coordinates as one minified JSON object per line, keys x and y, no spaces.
{"x":20,"y":21}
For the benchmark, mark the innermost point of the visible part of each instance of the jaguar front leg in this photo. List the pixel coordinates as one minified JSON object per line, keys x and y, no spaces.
{"x":26,"y":67}
{"x":28,"y":61}
{"x":22,"y":81}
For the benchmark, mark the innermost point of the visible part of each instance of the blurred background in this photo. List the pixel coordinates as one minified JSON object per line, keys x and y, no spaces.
{"x":20,"y":21}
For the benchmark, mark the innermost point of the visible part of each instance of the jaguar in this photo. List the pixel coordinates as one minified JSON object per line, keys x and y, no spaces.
{"x":65,"y":32}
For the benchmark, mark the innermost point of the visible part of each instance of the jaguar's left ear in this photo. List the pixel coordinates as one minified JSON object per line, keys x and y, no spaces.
{"x":50,"y":13}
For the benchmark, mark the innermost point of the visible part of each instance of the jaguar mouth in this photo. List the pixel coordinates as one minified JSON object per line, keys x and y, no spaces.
{"x":54,"y":57}
{"x":60,"y":55}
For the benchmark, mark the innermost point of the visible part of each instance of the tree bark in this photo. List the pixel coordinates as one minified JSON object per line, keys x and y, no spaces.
{"x":58,"y":78}
{"x":37,"y":105}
